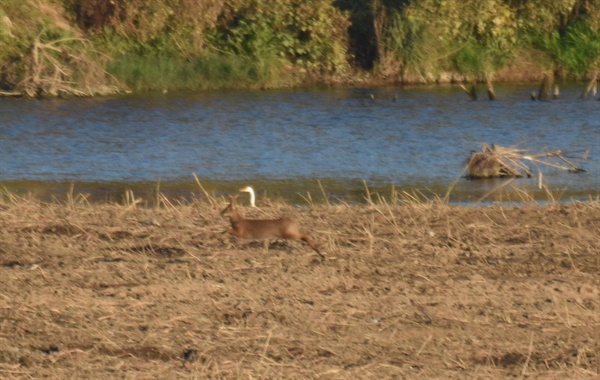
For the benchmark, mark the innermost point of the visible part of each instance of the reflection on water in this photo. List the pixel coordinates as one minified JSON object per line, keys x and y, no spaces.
{"x":282,"y":142}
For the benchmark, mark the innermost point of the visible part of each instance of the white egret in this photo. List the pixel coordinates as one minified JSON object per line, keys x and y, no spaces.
{"x":249,"y":189}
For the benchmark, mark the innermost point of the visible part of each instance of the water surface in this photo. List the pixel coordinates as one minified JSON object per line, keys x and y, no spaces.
{"x":283,"y":141}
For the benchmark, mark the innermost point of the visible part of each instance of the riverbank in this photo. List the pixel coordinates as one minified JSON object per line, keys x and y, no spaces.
{"x":85,"y":48}
{"x":414,"y":290}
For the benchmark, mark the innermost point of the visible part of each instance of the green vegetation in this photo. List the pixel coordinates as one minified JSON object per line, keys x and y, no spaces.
{"x":574,"y":51}
{"x":86,"y":47}
{"x":164,"y":71}
{"x":425,"y":38}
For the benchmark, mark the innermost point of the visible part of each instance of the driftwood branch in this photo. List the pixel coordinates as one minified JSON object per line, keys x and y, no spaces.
{"x":472,"y":93}
{"x":546,"y":86}
{"x":591,"y":87}
{"x":490,"y":89}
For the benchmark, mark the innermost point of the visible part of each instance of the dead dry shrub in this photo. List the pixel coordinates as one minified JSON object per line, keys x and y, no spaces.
{"x":65,"y":66}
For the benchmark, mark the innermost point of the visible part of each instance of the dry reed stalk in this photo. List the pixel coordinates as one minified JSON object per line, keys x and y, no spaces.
{"x":308,"y":199}
{"x":211,"y":199}
{"x":393,"y":195}
{"x":446,"y":197}
{"x":410,"y":199}
{"x":325,"y":197}
{"x":391,"y":219}
{"x":163,"y":199}
{"x":130,"y":201}
{"x":530,"y":351}
{"x":12,"y":198}
{"x":367,"y":193}
{"x":499,"y":187}
{"x":157,"y":194}
{"x":526,"y":198}
{"x":370,"y":238}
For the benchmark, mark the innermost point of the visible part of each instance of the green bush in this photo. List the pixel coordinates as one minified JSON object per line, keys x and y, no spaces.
{"x":309,"y":34}
{"x":577,"y":50}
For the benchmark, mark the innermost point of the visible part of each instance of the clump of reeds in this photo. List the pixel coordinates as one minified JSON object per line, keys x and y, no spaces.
{"x":497,"y":161}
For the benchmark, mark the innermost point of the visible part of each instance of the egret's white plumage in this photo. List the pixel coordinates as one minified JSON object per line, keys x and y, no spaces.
{"x":249,"y":189}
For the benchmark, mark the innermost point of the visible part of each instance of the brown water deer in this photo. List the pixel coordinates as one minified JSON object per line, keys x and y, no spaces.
{"x":265,"y":228}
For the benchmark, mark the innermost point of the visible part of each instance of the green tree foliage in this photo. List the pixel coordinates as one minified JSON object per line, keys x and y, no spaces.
{"x":422,"y":39}
{"x":147,"y":26}
{"x":310,"y":34}
{"x":192,"y":44}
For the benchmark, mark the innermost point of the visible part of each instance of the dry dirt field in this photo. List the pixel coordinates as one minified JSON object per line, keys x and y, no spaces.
{"x":407,"y":291}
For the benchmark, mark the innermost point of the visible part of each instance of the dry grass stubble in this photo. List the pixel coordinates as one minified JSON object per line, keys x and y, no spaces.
{"x":408,"y":290}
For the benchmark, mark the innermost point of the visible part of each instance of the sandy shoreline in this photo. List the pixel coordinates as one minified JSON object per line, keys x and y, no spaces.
{"x":408,"y":291}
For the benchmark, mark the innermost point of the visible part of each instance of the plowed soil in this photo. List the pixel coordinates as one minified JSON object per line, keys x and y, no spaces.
{"x":409,"y":291}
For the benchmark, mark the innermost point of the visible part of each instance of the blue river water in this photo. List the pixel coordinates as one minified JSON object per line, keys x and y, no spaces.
{"x":284,"y":141}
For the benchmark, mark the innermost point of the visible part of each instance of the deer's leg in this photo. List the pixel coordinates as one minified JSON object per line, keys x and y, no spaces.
{"x":312,"y":244}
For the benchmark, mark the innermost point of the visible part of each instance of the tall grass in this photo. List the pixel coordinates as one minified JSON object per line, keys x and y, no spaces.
{"x":471,"y":59}
{"x":576,"y":51}
{"x":166,"y":71}
{"x":414,"y":44}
